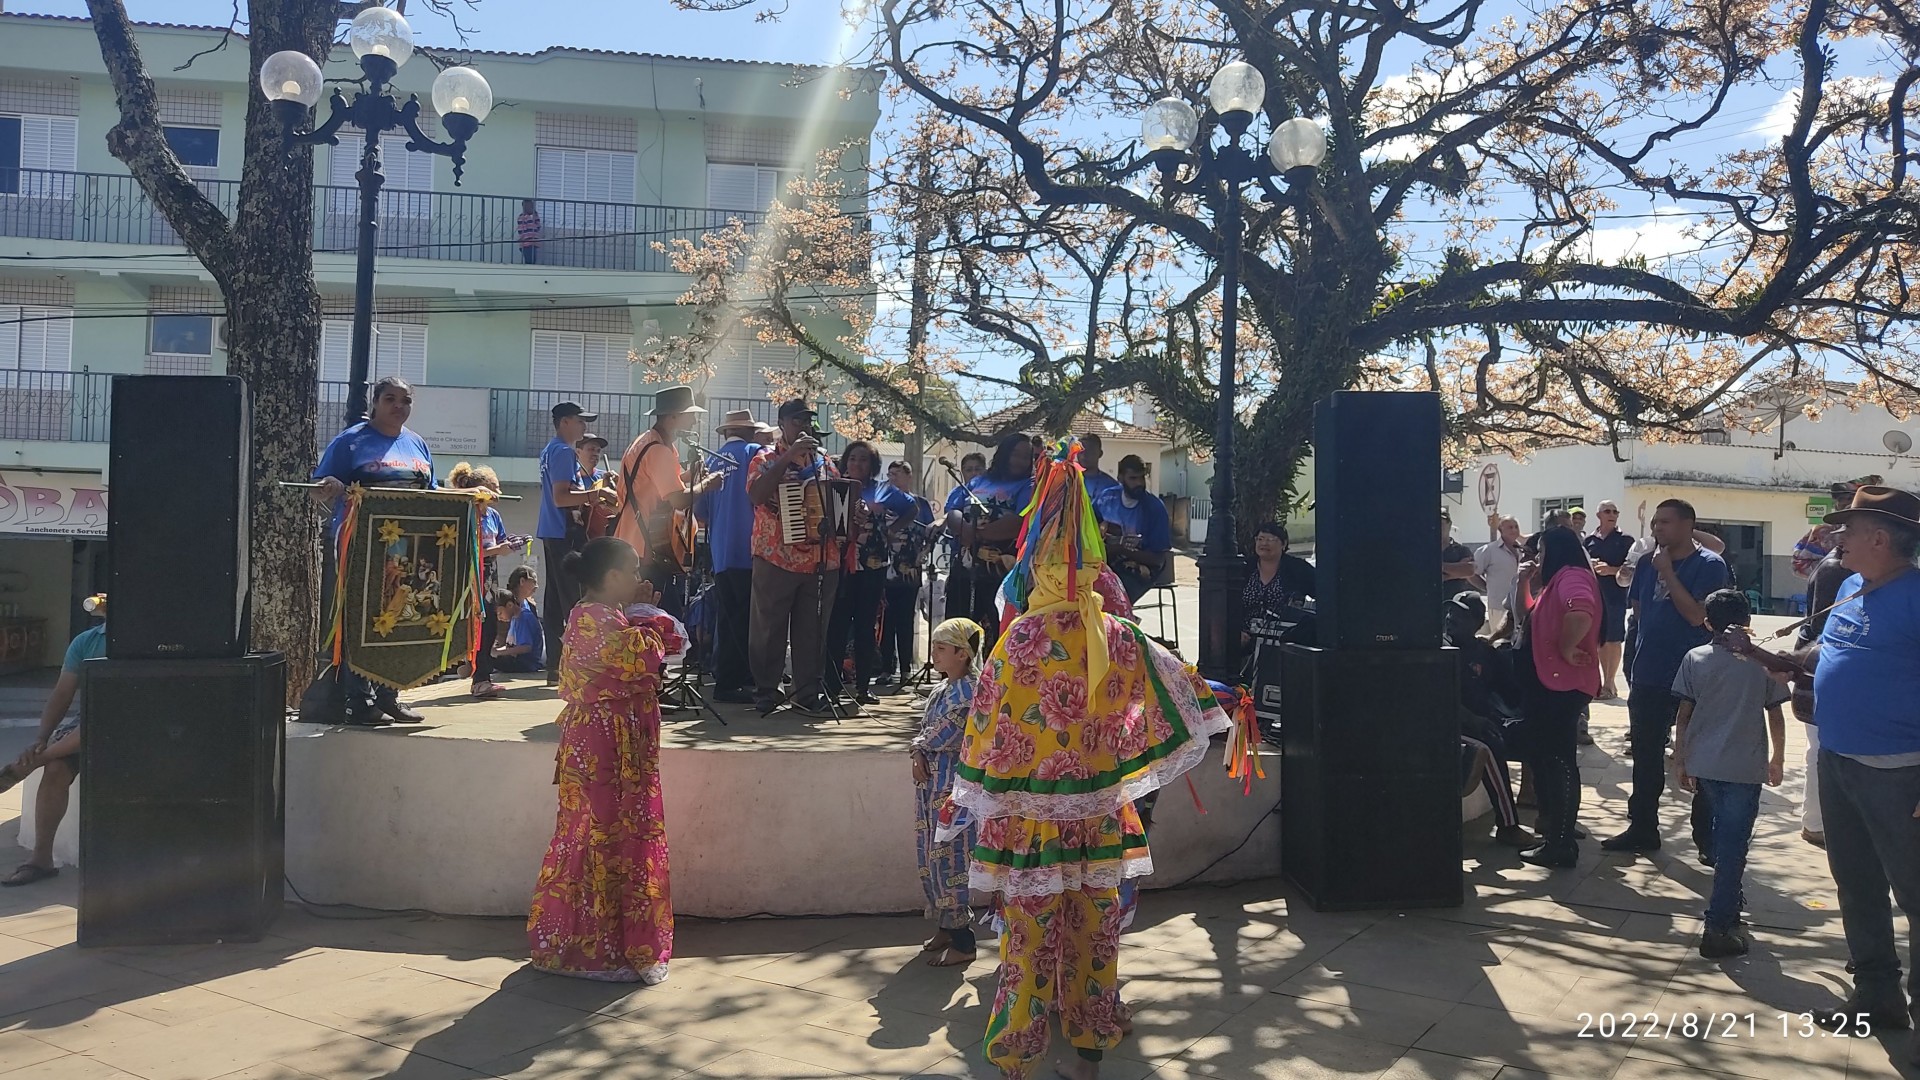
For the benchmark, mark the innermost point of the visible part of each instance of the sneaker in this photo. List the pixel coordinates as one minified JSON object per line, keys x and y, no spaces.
{"x":865,"y":697}
{"x":1552,"y":858}
{"x":1720,"y":944}
{"x":1631,"y":841}
{"x":1860,"y":1014}
{"x":764,"y":704}
{"x":655,"y":975}
{"x":1515,"y":836}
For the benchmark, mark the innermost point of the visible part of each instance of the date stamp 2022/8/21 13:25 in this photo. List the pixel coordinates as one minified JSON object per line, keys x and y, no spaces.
{"x":1722,"y":1025}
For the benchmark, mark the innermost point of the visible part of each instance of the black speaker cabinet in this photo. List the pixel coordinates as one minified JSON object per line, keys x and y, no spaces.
{"x":177,"y":520}
{"x":1376,"y":469}
{"x":182,"y":808}
{"x":1370,"y":777}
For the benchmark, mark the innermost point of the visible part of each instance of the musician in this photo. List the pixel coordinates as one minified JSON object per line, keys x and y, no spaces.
{"x":793,"y":584}
{"x":586,"y":522}
{"x":1092,"y":448}
{"x":856,"y":606}
{"x":653,"y":489}
{"x":902,"y":518}
{"x":728,"y":515}
{"x":987,"y":525}
{"x":559,"y":464}
{"x":1276,"y":580}
{"x":958,"y":597}
{"x":1139,"y":532}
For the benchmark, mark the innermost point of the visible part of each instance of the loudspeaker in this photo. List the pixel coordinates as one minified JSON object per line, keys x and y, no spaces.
{"x":182,"y":816}
{"x":1376,"y":467}
{"x":177,"y":521}
{"x":1370,"y":777}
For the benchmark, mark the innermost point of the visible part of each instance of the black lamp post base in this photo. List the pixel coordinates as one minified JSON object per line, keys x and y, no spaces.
{"x":1222,"y":578}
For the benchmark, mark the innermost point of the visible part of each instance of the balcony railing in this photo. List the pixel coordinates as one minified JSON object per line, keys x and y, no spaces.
{"x":55,"y":406}
{"x":106,"y":208}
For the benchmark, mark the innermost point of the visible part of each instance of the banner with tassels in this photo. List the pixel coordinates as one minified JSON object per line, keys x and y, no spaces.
{"x":407,"y":606}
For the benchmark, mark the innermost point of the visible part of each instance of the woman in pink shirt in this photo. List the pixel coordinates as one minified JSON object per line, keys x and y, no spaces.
{"x":1563,"y":635}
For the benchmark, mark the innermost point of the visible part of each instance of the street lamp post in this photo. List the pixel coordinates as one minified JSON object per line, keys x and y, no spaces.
{"x":1296,"y":147}
{"x":382,"y":40}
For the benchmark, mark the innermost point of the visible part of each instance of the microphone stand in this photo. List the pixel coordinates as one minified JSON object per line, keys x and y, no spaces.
{"x":834,"y":708}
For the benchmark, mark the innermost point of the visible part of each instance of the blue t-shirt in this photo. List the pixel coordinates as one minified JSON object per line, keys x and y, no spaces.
{"x":362,"y":455}
{"x":1665,"y":635}
{"x":1146,"y":518}
{"x":1003,"y":499}
{"x":557,"y":462}
{"x":89,"y":644}
{"x":726,"y":511}
{"x":1868,"y":679}
{"x":492,"y":528}
{"x":525,"y":630}
{"x":1099,"y":484}
{"x":900,"y":504}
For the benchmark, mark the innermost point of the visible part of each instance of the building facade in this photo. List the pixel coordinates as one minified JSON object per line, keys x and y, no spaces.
{"x":1759,"y":491}
{"x":617,"y":152}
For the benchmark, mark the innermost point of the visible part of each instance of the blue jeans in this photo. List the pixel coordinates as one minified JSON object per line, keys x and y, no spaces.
{"x":1729,"y":831}
{"x":1873,"y":847}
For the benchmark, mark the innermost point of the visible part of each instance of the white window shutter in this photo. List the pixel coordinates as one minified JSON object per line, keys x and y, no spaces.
{"x":593,"y":364}
{"x":413,"y":352}
{"x":49,"y":142}
{"x":620,"y":170}
{"x":549,"y":172}
{"x":546,"y":360}
{"x":56,"y":342}
{"x":10,"y":337}
{"x":343,"y":160}
{"x":772,"y":187}
{"x":336,"y":351}
{"x":734,"y":187}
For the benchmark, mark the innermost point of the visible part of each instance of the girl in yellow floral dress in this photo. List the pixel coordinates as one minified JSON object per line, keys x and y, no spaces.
{"x":601,"y":907}
{"x":1077,"y":715}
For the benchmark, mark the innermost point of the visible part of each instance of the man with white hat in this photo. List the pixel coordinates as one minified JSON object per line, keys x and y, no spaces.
{"x":727,"y":513}
{"x":653,"y":487}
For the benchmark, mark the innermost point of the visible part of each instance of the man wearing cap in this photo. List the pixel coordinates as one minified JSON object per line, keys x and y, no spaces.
{"x":559,"y":494}
{"x":728,"y":516}
{"x":654,"y":488}
{"x":793,"y":584}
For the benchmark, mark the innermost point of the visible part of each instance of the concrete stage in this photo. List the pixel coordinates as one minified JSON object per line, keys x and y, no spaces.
{"x":786,"y":815}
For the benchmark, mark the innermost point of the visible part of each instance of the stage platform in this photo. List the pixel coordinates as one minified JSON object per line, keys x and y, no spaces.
{"x":784,"y":815}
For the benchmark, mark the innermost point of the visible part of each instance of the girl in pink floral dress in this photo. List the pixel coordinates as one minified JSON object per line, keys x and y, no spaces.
{"x":601,"y":908}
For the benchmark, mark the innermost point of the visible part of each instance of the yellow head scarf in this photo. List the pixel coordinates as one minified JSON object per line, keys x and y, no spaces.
{"x":961,"y":634}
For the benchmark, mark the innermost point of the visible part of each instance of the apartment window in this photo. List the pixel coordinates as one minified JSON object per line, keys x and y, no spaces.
{"x":1554,"y":506}
{"x":194,"y":146}
{"x":34,"y":338}
{"x":180,"y":335}
{"x":398,"y":349}
{"x":745,"y":188}
{"x":33,"y":146}
{"x":580,"y":363}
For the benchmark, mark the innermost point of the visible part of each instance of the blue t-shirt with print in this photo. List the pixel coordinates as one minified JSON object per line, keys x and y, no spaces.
{"x":557,"y":462}
{"x":363,"y":455}
{"x":1665,"y":635}
{"x":1868,"y":679}
{"x":1146,"y":518}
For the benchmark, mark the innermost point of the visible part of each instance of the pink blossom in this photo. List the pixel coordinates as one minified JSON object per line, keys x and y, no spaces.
{"x":1027,"y":643}
{"x":1162,"y":730}
{"x":1123,"y":649}
{"x":1063,"y":700}
{"x":1012,"y":748}
{"x":1099,"y":1014}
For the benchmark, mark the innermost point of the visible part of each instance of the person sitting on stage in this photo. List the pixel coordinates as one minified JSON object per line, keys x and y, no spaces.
{"x":525,"y":650}
{"x":602,"y":908}
{"x":984,"y":525}
{"x":1139,"y":532}
{"x":56,"y":750}
{"x":954,"y":652}
{"x":1076,"y":716}
{"x":856,"y":604}
{"x":902,"y":525}
{"x":654,"y":488}
{"x":793,"y":584}
{"x":728,"y":515}
{"x":380,"y":451}
{"x":559,"y":495}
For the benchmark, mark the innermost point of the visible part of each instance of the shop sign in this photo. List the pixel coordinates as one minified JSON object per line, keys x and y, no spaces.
{"x":53,"y":503}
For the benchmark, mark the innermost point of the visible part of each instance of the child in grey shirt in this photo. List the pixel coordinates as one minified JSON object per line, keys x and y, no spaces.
{"x":1721,"y":754}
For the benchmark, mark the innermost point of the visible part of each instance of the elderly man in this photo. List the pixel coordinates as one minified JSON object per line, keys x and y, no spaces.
{"x":1496,"y":566}
{"x":1607,"y":546}
{"x":656,"y":488}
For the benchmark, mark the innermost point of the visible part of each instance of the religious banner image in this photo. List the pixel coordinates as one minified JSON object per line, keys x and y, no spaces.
{"x":408,"y":606}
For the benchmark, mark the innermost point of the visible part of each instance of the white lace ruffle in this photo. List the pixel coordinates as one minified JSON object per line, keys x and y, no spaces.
{"x":1202,"y":725}
{"x":1054,"y":880}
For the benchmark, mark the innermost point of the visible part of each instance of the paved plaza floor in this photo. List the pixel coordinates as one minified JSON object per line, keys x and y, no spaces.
{"x":1533,"y":977}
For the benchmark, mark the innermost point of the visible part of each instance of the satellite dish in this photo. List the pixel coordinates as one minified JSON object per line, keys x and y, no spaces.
{"x":1897,"y":441}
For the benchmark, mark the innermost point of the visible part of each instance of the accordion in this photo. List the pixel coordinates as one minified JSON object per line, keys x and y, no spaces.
{"x":816,"y":509}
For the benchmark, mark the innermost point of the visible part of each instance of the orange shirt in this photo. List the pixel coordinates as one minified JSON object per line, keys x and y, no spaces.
{"x":652,"y":477}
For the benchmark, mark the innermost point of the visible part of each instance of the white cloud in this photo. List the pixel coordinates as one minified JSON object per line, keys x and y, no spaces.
{"x":1669,"y":232}
{"x":1399,"y":99}
{"x":1779,"y":119}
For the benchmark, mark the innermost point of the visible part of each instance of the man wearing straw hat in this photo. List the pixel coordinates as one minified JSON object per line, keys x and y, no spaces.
{"x":653,"y":487}
{"x":727,"y":513}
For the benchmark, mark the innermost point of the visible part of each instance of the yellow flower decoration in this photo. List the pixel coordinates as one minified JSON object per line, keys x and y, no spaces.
{"x":437,"y":624}
{"x":390,"y":531}
{"x":448,"y":535}
{"x":384,"y":623}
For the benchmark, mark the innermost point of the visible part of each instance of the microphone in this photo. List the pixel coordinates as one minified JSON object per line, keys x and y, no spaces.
{"x":944,"y":463}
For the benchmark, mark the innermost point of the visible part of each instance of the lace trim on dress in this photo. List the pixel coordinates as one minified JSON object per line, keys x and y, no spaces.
{"x":1057,"y":879}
